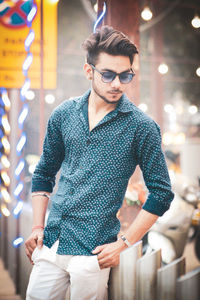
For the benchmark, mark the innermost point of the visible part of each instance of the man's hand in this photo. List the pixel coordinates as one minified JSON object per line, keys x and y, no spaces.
{"x":34,"y":240}
{"x":109,"y":254}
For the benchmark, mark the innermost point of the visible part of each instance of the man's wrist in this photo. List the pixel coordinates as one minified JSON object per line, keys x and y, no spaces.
{"x":43,"y":194}
{"x":37,"y":227}
{"x":121,"y":244}
{"x":126,"y":242}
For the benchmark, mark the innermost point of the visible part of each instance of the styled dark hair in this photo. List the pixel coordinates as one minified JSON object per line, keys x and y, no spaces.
{"x":108,"y":40}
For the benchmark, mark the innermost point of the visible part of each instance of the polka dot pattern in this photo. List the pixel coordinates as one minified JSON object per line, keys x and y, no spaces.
{"x":95,"y":169}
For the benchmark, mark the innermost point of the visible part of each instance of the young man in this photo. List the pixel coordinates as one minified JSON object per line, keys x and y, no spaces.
{"x":97,"y":139}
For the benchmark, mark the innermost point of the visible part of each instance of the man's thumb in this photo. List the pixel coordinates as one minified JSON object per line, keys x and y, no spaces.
{"x":98,"y":249}
{"x":40,"y":241}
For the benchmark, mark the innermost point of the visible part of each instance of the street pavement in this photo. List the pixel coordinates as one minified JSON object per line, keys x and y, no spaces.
{"x":7,"y":288}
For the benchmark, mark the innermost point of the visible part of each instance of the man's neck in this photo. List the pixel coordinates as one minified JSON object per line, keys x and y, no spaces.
{"x":98,"y":105}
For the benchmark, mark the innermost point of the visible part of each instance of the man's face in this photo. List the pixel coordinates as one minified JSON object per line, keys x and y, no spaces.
{"x":110,"y":92}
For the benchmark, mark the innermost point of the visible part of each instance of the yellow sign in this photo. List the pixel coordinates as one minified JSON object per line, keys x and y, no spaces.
{"x":13,"y":33}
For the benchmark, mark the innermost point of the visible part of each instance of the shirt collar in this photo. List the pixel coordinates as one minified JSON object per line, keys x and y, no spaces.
{"x":82,"y":99}
{"x":124,"y":105}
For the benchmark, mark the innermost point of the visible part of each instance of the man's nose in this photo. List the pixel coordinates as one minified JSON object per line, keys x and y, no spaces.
{"x":116,"y":82}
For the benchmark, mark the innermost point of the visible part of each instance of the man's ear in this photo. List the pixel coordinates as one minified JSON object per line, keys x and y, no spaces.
{"x":88,"y":71}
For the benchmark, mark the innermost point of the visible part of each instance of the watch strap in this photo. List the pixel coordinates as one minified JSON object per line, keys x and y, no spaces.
{"x":124,"y":239}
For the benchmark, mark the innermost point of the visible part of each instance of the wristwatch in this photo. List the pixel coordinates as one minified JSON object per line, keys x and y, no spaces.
{"x":124,"y":239}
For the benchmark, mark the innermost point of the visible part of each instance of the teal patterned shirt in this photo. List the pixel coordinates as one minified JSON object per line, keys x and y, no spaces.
{"x":95,"y":169}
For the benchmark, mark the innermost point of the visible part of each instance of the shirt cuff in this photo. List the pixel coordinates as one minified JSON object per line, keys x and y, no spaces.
{"x":156,"y":206}
{"x":42,"y":186}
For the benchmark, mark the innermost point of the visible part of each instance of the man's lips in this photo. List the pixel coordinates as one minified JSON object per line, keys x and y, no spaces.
{"x":114,"y":92}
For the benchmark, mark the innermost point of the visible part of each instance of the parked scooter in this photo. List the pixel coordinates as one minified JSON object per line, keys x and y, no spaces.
{"x":170,"y":232}
{"x":194,"y":231}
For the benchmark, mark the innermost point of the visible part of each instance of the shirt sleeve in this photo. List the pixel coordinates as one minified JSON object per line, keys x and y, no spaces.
{"x":52,"y":156}
{"x":152,"y":163}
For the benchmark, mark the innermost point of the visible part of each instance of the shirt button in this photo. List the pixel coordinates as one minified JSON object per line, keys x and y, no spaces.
{"x":88,"y":142}
{"x":64,"y":217}
{"x":71,"y":191}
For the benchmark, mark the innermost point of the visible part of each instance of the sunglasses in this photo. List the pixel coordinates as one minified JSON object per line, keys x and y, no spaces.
{"x":109,"y":76}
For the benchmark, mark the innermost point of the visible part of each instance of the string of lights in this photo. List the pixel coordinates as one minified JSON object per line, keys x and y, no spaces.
{"x":4,"y":151}
{"x":21,"y":119}
{"x":100,"y":17}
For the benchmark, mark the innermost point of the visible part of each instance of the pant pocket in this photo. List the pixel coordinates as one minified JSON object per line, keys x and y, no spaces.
{"x":34,"y":254}
{"x":98,"y":266}
{"x":92,"y":263}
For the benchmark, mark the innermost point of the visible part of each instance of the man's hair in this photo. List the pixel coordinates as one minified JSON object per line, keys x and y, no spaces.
{"x":110,"y":41}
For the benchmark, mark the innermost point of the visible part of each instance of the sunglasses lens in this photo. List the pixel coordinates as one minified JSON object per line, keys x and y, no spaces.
{"x":126,"y":77}
{"x":108,"y":76}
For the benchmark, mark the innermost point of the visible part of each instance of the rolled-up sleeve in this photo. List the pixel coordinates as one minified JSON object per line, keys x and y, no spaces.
{"x":52,"y":156}
{"x":152,"y":163}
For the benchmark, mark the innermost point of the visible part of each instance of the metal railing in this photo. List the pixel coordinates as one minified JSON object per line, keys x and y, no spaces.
{"x":188,"y":286}
{"x":146,"y":276}
{"x":167,"y":277}
{"x":122,"y":282}
{"x":143,"y":278}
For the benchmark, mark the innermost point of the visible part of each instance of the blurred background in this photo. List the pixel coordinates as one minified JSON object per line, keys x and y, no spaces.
{"x":41,"y":65}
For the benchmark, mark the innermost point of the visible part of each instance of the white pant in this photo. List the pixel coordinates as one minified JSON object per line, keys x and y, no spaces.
{"x":52,"y":274}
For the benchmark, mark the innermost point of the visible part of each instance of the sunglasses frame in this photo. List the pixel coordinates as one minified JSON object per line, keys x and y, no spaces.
{"x":114,"y":74}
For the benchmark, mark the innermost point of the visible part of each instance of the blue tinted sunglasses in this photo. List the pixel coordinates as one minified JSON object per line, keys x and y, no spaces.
{"x":109,"y":76}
